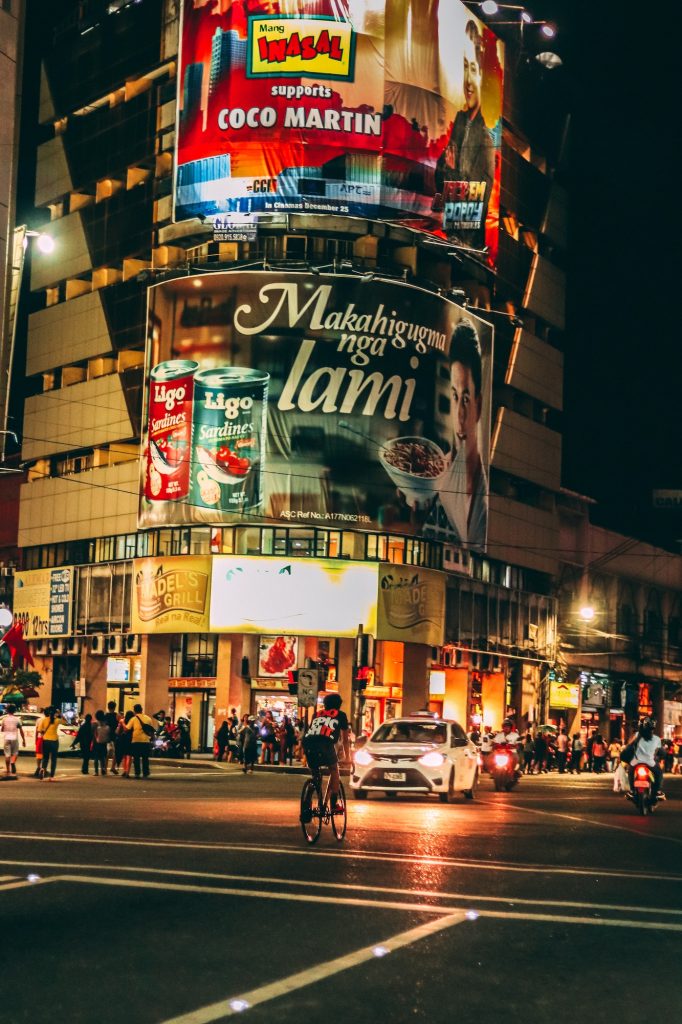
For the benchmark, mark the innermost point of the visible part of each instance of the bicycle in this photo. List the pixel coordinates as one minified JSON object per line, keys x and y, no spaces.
{"x":316,"y":809}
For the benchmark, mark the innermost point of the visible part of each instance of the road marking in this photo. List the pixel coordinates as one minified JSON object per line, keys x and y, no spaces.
{"x":349,"y":901}
{"x":26,"y":883}
{"x":587,"y":821}
{"x":285,"y":986}
{"x":469,"y":898}
{"x":349,"y":854}
{"x":601,"y":922}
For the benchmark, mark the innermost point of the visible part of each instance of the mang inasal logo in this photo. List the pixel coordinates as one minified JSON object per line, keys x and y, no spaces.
{"x":315,"y":47}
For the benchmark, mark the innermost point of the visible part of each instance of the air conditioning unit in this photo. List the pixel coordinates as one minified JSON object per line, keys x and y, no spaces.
{"x":74,"y":645}
{"x":56,"y":646}
{"x":132,"y":643}
{"x":114,"y":644}
{"x":97,"y":645}
{"x":41,"y":647}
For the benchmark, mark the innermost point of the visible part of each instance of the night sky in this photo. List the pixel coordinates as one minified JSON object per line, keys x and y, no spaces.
{"x":622,"y":423}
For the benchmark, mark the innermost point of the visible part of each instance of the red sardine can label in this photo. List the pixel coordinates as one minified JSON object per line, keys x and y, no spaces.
{"x":169,"y":430}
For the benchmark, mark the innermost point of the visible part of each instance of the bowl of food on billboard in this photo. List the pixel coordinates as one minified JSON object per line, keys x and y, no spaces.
{"x":388,"y":109}
{"x":309,"y":401}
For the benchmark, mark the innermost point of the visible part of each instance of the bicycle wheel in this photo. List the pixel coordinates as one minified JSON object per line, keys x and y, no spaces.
{"x":340,"y":815}
{"x":311,"y":811}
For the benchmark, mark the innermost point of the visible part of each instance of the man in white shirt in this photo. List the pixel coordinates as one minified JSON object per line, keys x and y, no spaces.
{"x":647,"y":746}
{"x":11,"y":728}
{"x":508,"y":737}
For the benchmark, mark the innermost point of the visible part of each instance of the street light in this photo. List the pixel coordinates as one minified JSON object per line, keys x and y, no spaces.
{"x":45,"y":243}
{"x":587,"y":613}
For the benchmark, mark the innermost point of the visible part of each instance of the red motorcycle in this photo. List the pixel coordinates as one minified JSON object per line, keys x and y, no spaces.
{"x":643,"y":788}
{"x":504,"y":768}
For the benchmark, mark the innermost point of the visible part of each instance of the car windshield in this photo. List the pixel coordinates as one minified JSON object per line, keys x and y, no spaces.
{"x":410,"y":732}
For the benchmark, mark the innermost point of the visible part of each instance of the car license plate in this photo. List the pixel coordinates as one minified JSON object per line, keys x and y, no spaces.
{"x":394,"y":776}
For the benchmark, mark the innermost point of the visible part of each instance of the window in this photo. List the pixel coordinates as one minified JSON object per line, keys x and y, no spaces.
{"x":199,"y":657}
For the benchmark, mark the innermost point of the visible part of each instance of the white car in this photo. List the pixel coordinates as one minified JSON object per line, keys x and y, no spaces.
{"x":29,"y":721}
{"x":419,"y":754}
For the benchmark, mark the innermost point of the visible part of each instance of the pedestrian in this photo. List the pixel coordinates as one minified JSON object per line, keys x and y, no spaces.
{"x":38,"y":773}
{"x":222,"y":738}
{"x":143,"y":730}
{"x":540,"y":754}
{"x":598,"y":754}
{"x":528,"y":750}
{"x":268,"y":739}
{"x":287,"y":742}
{"x":589,"y":750}
{"x":11,"y":728}
{"x":249,"y":742}
{"x":615,"y":748}
{"x":184,"y":738}
{"x":576,"y":754}
{"x":123,"y":744}
{"x":561,"y":752}
{"x":84,"y":741}
{"x":112,"y":718}
{"x":233,"y":748}
{"x":100,"y":743}
{"x":48,"y":728}
{"x":487,"y":747}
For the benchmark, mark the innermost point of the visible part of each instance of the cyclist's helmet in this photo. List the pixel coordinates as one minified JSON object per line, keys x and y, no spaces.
{"x":332,"y":702}
{"x":507,"y":724}
{"x":646,"y":727}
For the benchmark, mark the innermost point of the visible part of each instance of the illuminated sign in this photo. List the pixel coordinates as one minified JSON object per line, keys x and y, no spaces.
{"x":308,"y":597}
{"x":271,"y":396}
{"x":368,"y":109}
{"x":170,"y":595}
{"x":42,"y":601}
{"x":563,"y":694}
{"x":411,"y":604}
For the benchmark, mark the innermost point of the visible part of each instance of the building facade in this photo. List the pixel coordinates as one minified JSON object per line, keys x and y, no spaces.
{"x":89,"y":593}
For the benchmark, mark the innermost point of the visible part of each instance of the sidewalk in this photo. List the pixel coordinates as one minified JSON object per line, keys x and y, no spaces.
{"x":207,"y":760}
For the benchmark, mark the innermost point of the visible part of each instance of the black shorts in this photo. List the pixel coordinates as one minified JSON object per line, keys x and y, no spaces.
{"x":320,"y":752}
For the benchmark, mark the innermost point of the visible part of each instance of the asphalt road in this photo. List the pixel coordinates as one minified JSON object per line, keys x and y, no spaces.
{"x":191,"y":897}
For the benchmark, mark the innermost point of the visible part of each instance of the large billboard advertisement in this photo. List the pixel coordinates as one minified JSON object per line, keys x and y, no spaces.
{"x":42,"y":601}
{"x":171,"y":595}
{"x":316,"y":401}
{"x":411,"y":604}
{"x":305,"y":596}
{"x":387,"y":109}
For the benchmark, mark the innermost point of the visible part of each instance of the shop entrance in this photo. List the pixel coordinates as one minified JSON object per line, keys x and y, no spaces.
{"x":279,"y":703}
{"x":198,"y":707}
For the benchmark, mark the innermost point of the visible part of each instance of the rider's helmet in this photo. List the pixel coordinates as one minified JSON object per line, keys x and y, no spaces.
{"x":332,"y":702}
{"x":646,"y":727}
{"x":507,"y":725}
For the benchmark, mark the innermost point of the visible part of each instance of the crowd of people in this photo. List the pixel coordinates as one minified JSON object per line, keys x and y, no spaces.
{"x":549,"y":750}
{"x":262,"y":739}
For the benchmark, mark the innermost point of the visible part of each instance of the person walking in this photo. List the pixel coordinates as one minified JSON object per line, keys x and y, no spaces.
{"x":249,"y":741}
{"x":11,"y":728}
{"x":268,"y":739}
{"x":528,"y":750}
{"x":540,"y":753}
{"x":576,"y":754}
{"x":598,"y":754}
{"x":84,"y":741}
{"x":142,"y":729}
{"x":48,"y":728}
{"x":123,"y":743}
{"x":112,"y":718}
{"x":287,"y":741}
{"x":615,"y":748}
{"x":561,"y":752}
{"x":100,"y":746}
{"x":222,"y":738}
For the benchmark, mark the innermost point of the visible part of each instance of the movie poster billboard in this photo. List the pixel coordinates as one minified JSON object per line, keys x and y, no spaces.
{"x":316,"y":401}
{"x":387,"y":109}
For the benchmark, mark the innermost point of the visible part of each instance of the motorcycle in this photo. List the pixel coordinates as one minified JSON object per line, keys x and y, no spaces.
{"x":504,"y":768}
{"x":165,"y":745}
{"x":643,"y":788}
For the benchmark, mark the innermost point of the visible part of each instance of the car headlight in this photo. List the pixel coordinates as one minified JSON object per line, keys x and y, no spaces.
{"x":432,"y":760}
{"x":363,"y":757}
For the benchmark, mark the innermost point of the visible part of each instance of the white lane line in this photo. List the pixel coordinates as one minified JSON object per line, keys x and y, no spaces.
{"x":27,"y":883}
{"x":305,"y":883}
{"x":588,"y":821}
{"x":262,"y":894}
{"x":600,"y":922}
{"x":285,"y":986}
{"x":349,"y":854}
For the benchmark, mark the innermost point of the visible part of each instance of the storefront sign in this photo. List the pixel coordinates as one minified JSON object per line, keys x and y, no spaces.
{"x":118,"y":670}
{"x":309,"y":385}
{"x":370,"y":109}
{"x":42,"y":601}
{"x":563,"y":694}
{"x":183,"y":683}
{"x":311,"y":597}
{"x":170,"y":595}
{"x":411,"y":604}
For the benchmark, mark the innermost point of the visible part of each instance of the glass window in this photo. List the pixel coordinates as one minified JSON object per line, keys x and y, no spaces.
{"x":396,"y":549}
{"x":371,"y":545}
{"x":302,"y":542}
{"x":120,"y":547}
{"x":334,"y":543}
{"x":164,"y":543}
{"x":411,"y":732}
{"x":200,"y":541}
{"x":267,"y":541}
{"x":199,"y":654}
{"x":321,"y":543}
{"x":280,"y":546}
{"x":131,"y":545}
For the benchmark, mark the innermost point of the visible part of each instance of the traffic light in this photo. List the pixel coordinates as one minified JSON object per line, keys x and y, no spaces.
{"x":293,"y":683}
{"x":362,"y":678}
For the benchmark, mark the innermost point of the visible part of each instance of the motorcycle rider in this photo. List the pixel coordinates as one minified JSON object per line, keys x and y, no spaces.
{"x":646,"y":749}
{"x":508,"y":737}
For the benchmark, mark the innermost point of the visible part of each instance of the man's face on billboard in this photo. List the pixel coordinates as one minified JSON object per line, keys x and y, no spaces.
{"x":472,"y":76}
{"x":466,"y":405}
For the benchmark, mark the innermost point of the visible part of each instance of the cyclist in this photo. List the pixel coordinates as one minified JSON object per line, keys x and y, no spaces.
{"x":327,"y":727}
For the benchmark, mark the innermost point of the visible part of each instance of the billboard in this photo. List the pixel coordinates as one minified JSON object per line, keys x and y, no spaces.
{"x":387,"y":109}
{"x":318,"y":401}
{"x":411,"y":604}
{"x":42,"y":601}
{"x":171,"y":595}
{"x":320,"y":597}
